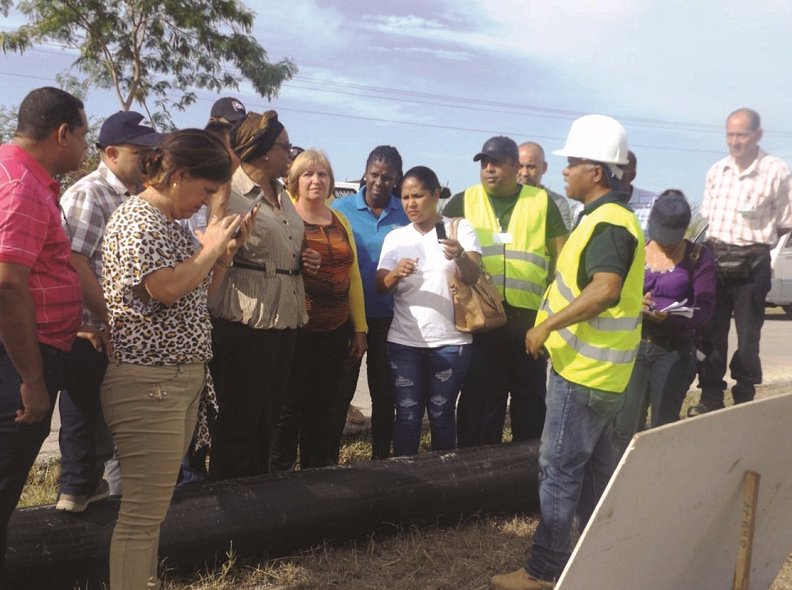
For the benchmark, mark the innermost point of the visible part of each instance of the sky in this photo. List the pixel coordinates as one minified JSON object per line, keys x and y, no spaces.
{"x":437,"y":78}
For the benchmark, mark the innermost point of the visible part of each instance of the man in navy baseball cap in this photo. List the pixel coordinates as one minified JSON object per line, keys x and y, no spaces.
{"x":85,"y":443}
{"x":127,"y":128}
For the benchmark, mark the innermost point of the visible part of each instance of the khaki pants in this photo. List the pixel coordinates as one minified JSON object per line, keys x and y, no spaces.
{"x":151,"y":412}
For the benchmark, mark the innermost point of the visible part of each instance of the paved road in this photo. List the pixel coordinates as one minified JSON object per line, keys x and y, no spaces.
{"x":776,"y":338}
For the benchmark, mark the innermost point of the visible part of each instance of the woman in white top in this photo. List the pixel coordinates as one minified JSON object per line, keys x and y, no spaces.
{"x":429,"y":356}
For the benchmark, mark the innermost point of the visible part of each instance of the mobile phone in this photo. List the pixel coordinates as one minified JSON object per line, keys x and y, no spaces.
{"x":257,"y":201}
{"x":441,"y":232}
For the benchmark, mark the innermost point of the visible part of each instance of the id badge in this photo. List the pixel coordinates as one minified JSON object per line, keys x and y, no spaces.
{"x":502,"y":238}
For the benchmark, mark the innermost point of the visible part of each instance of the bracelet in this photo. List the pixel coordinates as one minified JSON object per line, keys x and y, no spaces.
{"x":221,"y":265}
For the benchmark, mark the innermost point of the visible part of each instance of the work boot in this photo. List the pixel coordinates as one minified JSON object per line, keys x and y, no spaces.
{"x":520,"y":580}
{"x":700,"y":409}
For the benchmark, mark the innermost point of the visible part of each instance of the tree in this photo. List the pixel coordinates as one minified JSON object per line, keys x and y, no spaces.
{"x":160,"y":49}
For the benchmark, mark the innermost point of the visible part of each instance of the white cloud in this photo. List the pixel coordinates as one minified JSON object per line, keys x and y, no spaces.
{"x":438,"y":53}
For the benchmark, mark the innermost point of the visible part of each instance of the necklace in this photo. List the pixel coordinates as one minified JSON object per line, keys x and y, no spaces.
{"x":659,"y":261}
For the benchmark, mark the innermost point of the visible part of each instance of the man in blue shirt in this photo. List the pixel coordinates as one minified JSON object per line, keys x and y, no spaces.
{"x":372,"y":213}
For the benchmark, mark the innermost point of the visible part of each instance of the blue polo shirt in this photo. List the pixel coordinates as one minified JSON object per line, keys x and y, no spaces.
{"x":370,"y":232}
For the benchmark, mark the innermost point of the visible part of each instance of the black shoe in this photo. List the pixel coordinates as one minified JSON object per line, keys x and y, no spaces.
{"x":700,"y":409}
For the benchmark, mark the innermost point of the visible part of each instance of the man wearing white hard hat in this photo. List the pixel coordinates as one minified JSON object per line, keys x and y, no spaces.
{"x":590,"y":325}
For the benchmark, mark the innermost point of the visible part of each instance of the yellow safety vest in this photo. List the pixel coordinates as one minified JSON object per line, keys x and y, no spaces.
{"x":599,"y":352}
{"x":519,"y":269}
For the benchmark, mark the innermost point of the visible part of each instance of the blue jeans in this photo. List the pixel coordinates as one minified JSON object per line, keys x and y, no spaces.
{"x":426,"y":379}
{"x":662,"y":374}
{"x":576,"y":460}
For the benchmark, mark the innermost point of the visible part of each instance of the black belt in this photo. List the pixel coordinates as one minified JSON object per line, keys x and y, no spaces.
{"x":280,"y":271}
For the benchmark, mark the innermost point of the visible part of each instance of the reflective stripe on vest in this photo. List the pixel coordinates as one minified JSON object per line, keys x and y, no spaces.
{"x":600,"y":352}
{"x":519,"y":269}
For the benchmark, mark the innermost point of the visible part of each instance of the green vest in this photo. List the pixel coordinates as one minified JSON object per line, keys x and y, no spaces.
{"x":599,"y":352}
{"x":519,"y":269}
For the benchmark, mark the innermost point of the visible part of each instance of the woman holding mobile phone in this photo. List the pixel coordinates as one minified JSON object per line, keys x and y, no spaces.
{"x":156,"y":281}
{"x":335,"y":334}
{"x":260,"y":304}
{"x":428,"y":355}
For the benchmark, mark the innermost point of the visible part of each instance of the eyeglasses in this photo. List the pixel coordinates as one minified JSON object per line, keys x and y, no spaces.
{"x":284,"y":144}
{"x":295,"y":151}
{"x":572,"y":162}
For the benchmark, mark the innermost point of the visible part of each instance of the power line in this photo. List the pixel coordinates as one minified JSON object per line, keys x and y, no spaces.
{"x":463,"y":102}
{"x":467,"y":103}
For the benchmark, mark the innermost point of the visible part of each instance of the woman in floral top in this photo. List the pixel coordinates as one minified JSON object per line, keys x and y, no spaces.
{"x":156,"y":284}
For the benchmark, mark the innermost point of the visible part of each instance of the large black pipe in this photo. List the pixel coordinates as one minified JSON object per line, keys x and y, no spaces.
{"x":276,"y":514}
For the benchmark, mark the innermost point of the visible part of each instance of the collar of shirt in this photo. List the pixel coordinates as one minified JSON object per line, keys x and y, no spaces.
{"x":729,"y":162}
{"x":42,"y":175}
{"x":244,"y":185}
{"x":609,"y":197}
{"x":111,"y":179}
{"x":362,"y":205}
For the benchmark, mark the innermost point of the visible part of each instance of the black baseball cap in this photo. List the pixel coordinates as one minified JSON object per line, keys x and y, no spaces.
{"x":498,"y":148}
{"x":127,"y":128}
{"x":229,"y":109}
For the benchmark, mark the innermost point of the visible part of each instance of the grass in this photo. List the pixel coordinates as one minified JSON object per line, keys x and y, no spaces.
{"x":442,"y":558}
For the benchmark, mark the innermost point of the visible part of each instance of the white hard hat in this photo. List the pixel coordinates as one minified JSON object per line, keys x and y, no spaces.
{"x":598,"y":138}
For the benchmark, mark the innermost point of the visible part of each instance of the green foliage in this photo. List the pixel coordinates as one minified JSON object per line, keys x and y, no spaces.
{"x":153,"y":49}
{"x":8,"y":123}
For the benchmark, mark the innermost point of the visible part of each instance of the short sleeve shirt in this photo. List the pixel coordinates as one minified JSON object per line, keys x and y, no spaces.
{"x":140,"y":240}
{"x":611,"y":248}
{"x":503,"y":208}
{"x":31,"y":235}
{"x":369,"y":232}
{"x":87,"y":206}
{"x":423,"y":311}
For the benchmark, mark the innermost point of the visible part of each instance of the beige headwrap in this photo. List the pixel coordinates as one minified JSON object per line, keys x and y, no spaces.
{"x":254,"y":135}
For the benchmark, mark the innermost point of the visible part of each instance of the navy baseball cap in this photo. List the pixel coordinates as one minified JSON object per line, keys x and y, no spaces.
{"x":127,"y":128}
{"x":229,"y":109}
{"x":498,"y":148}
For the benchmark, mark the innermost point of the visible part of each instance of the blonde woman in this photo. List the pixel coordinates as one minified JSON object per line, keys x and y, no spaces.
{"x":335,"y":335}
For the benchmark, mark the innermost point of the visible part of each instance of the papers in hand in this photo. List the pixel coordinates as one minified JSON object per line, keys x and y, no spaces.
{"x":680,"y":308}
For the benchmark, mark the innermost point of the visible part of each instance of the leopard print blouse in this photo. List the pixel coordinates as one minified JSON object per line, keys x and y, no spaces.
{"x":139,"y":240}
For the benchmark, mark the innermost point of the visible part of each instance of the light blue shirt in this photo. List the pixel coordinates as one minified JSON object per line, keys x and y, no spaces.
{"x":370,"y":232}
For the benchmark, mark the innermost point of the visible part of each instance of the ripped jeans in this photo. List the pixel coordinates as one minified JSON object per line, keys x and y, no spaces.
{"x":426,"y":379}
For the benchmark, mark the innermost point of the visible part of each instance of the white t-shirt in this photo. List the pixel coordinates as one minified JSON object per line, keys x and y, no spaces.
{"x":423,"y":311}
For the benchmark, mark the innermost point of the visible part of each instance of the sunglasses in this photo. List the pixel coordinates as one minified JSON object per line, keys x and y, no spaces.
{"x":295,"y":151}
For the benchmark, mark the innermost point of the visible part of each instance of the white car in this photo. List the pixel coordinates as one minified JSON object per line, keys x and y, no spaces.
{"x":781,"y":282}
{"x":345,"y":188}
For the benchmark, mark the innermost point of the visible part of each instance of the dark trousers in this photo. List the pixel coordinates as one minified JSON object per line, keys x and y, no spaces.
{"x":85,"y":441}
{"x":500,"y":366}
{"x":251,"y":371}
{"x":20,"y":443}
{"x":745,"y":299}
{"x":380,"y":388}
{"x":307,"y":418}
